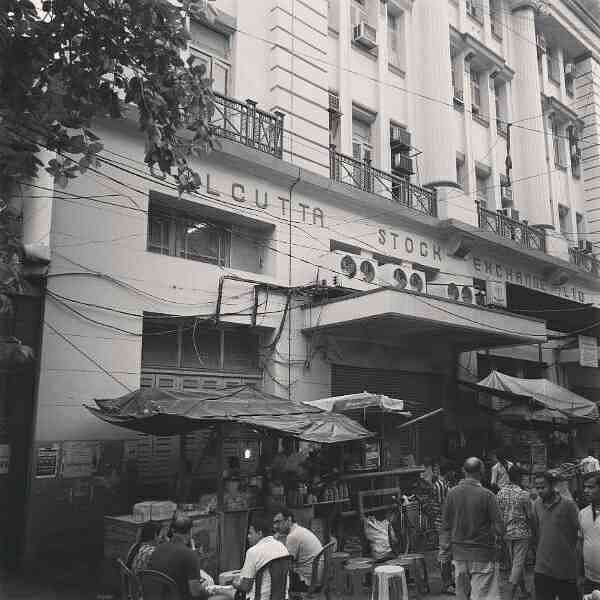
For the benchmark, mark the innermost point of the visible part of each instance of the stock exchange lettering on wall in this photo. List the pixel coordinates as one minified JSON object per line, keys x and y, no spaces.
{"x":486,"y":268}
{"x":409,"y":246}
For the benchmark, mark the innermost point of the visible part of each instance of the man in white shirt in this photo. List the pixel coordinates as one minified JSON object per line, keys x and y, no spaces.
{"x":263,"y":549}
{"x":302,"y":544}
{"x":589,"y":523}
{"x":590,"y":463}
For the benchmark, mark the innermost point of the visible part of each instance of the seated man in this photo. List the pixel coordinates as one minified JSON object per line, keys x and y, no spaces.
{"x":302,"y":544}
{"x":263,"y":549}
{"x":177,"y":560}
{"x":139,"y":554}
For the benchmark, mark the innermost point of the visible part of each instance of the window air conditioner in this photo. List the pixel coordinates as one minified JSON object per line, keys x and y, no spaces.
{"x":507,"y":196}
{"x":401,"y":277}
{"x":365,"y":35}
{"x":399,"y":138}
{"x":570,"y":69}
{"x":353,"y":271}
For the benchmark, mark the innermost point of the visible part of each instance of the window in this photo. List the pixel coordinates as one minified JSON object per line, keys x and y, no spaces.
{"x":187,"y":236}
{"x":361,"y":140}
{"x":482,"y":187}
{"x":552,"y":61}
{"x":474,"y":10}
{"x":181,"y":343}
{"x":394,"y":40}
{"x":496,"y":18}
{"x":216,"y":69}
{"x":461,"y":179}
{"x":557,"y":142}
{"x":580,"y":225}
{"x":574,"y":151}
{"x":475,"y":92}
{"x":335,"y":117}
{"x":563,"y":219}
{"x":501,"y":100}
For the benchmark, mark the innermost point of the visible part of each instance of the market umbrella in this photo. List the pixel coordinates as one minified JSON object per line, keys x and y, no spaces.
{"x":540,"y":391}
{"x":362,"y":401}
{"x":161,"y":412}
{"x":522,"y":412}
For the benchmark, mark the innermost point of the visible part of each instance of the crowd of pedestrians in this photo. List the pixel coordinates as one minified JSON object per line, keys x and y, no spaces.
{"x":485,"y":521}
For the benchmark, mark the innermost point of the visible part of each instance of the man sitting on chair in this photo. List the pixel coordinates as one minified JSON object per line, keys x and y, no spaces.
{"x":177,"y":560}
{"x":302,"y":544}
{"x":263,"y":549}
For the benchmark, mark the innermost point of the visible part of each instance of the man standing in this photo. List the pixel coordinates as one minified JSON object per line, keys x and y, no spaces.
{"x":471,"y":531}
{"x":177,"y":560}
{"x":589,"y":555}
{"x":302,"y":544}
{"x":516,"y":510}
{"x":555,"y":528}
{"x":263,"y":549}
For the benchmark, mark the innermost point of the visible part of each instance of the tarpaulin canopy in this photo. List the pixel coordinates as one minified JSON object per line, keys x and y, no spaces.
{"x":541,"y":391}
{"x":162,"y":412}
{"x":362,"y":401}
{"x":523,"y":413}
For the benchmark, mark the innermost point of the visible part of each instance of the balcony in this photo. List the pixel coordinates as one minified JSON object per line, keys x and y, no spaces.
{"x":585,"y":260}
{"x":245,"y":124}
{"x":361,"y":175}
{"x":517,"y":231}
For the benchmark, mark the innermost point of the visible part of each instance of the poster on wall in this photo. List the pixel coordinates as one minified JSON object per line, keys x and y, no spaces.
{"x":588,"y":351}
{"x":4,"y":458}
{"x":47,"y":461}
{"x":80,"y":459}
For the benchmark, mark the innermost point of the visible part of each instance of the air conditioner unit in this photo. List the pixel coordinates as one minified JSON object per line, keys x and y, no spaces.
{"x":334,"y":102}
{"x":460,"y":293}
{"x":570,"y":69}
{"x":401,"y":277}
{"x":402,"y":162}
{"x":352,"y":271}
{"x":365,"y":35}
{"x":399,"y":138}
{"x":507,"y":196}
{"x":496,"y":293}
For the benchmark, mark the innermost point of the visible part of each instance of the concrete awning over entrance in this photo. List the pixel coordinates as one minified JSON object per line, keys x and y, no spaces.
{"x":392,"y":316}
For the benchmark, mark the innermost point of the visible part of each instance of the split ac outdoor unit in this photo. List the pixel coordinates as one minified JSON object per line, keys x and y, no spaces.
{"x":352,"y":271}
{"x":365,"y":35}
{"x":496,"y":293}
{"x":461,"y":293}
{"x":402,"y":277}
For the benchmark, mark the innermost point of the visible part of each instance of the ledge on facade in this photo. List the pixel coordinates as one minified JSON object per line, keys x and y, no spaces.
{"x":216,"y":19}
{"x":550,"y":103}
{"x":475,"y":236}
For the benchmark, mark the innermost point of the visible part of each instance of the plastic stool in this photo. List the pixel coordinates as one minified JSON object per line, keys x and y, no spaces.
{"x":357,"y":570}
{"x":389,"y":583}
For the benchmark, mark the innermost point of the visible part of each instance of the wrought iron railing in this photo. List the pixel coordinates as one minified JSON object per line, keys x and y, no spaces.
{"x":246,"y":124}
{"x":518,"y":231}
{"x":361,"y":175}
{"x":588,"y":262}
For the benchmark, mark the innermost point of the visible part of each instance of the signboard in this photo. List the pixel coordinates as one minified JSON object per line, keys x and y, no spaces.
{"x":4,"y":458}
{"x":80,"y":459}
{"x":588,"y":351}
{"x":46,"y":464}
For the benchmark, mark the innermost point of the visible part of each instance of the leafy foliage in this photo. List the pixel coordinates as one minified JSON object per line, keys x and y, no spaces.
{"x":73,"y":60}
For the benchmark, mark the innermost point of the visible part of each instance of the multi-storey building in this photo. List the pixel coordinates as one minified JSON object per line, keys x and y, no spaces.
{"x":436,"y":156}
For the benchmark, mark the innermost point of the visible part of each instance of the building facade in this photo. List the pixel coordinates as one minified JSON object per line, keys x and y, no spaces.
{"x":404,"y":197}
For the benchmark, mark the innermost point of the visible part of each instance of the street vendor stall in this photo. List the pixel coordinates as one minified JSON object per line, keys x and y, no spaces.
{"x":242,"y":450}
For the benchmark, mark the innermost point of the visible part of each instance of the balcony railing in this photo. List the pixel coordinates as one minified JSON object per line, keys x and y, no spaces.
{"x":518,"y":231}
{"x":361,"y":175}
{"x":244,"y":123}
{"x":588,"y":262}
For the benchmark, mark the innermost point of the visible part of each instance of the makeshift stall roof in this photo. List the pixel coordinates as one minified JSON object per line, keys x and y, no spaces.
{"x":541,"y":391}
{"x":522,"y":413}
{"x":162,"y":412}
{"x":362,"y":401}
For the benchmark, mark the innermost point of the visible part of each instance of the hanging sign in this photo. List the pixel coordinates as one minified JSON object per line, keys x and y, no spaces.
{"x":47,"y":461}
{"x":80,"y":459}
{"x":588,"y":351}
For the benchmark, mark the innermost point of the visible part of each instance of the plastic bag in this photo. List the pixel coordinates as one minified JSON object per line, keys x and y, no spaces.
{"x":377,"y":534}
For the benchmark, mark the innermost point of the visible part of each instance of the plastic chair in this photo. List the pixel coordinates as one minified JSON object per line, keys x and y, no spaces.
{"x":320,"y":581}
{"x":129,"y":584}
{"x":155,"y":585}
{"x":279,"y":570}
